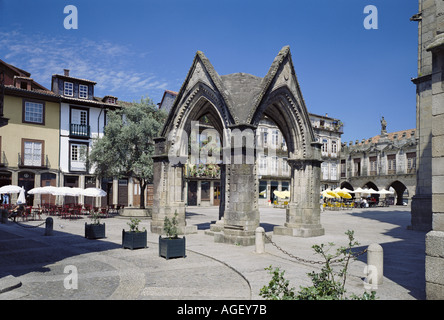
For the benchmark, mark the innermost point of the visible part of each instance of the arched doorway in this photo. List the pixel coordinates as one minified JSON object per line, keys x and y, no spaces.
{"x":348,"y":186}
{"x":26,"y":180}
{"x":399,"y":188}
{"x":373,"y":196}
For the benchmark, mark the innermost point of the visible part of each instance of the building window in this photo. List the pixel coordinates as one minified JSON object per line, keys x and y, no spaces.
{"x":324,"y":169}
{"x":78,"y":155}
{"x":357,"y":167}
{"x":83,"y":91}
{"x":334,"y":147}
{"x":79,"y":123}
{"x":263,"y":164}
{"x":334,"y":171}
{"x":33,"y":112}
{"x":285,"y":166}
{"x":32,"y":152}
{"x":274,"y":165}
{"x":391,"y":164}
{"x":324,"y":145}
{"x":373,"y":165}
{"x":411,"y":162}
{"x":264,"y":137}
{"x":343,"y":168}
{"x":111,"y":100}
{"x":68,"y":89}
{"x":274,"y":138}
{"x":262,"y":189}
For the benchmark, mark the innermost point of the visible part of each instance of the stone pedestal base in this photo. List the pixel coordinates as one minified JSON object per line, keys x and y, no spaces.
{"x":231,"y":234}
{"x":136,"y":212}
{"x":182,"y":230}
{"x":302,"y":231}
{"x":215,"y":227}
{"x":237,"y":237}
{"x":160,"y":212}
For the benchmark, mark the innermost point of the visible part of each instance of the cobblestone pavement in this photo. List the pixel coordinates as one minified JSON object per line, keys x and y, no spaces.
{"x":43,"y":264}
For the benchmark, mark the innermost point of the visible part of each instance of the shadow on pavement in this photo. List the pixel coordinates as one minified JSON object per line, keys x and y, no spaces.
{"x":404,"y":260}
{"x":27,"y":249}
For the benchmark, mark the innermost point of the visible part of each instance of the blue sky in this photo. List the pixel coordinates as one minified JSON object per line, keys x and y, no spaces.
{"x":138,"y":48}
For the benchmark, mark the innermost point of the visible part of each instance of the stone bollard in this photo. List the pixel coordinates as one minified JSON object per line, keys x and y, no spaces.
{"x":49,"y":224}
{"x":375,"y":265}
{"x":260,"y":240}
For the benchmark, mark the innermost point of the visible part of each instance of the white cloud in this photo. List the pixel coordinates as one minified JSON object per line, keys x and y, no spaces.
{"x":110,"y":65}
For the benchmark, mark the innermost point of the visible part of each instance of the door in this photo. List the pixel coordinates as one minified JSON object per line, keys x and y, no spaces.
{"x":192,"y":193}
{"x":48,"y":179}
{"x":216,"y":198}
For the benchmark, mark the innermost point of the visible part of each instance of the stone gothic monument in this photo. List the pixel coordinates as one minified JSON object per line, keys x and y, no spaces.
{"x":234,"y":104}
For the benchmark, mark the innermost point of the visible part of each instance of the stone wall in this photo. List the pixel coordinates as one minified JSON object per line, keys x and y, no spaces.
{"x":430,"y":124}
{"x":421,"y":203}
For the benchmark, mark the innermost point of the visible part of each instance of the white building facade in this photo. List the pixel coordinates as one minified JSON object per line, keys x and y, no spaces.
{"x":82,"y":119}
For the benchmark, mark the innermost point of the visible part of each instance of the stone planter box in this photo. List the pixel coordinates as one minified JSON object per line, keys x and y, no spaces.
{"x":94,"y":231}
{"x":134,"y":240}
{"x":171,"y":248}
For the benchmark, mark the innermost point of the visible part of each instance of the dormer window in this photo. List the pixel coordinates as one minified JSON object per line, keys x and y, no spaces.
{"x":83,"y":91}
{"x":68,"y":89}
{"x":110,"y":99}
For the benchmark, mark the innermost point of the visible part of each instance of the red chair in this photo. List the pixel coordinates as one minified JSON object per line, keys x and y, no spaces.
{"x":26,"y":213}
{"x":104,"y":212}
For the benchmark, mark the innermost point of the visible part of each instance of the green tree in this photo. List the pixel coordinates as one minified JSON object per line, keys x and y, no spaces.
{"x":127,"y":147}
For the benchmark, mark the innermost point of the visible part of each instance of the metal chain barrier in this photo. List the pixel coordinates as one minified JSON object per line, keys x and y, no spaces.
{"x":306,"y":260}
{"x":28,"y":226}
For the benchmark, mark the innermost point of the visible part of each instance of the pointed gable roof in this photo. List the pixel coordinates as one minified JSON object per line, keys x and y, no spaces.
{"x":201,"y":70}
{"x":241,"y":93}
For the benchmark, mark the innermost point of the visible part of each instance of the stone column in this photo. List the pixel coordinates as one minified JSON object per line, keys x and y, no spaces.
{"x":130,"y":192}
{"x":241,"y":214}
{"x":434,"y":263}
{"x":115,"y":191}
{"x":168,"y":191}
{"x":303,"y":218}
{"x":421,"y":207}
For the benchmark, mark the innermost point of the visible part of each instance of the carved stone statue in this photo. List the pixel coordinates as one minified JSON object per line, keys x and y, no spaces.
{"x":383,"y":126}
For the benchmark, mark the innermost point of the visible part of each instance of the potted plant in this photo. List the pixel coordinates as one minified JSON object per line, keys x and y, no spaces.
{"x":95,"y":230}
{"x":134,"y":238}
{"x":171,"y":246}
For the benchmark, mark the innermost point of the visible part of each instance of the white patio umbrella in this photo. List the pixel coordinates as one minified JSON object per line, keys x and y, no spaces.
{"x":383,"y":191}
{"x":93,"y":192}
{"x":68,"y":191}
{"x":347,"y":190}
{"x":21,"y":198}
{"x":43,"y":190}
{"x":10,"y":189}
{"x":359,"y":190}
{"x":371,"y":190}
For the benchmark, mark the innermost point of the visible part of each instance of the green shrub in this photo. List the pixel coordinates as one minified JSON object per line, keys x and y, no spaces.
{"x":326,"y":284}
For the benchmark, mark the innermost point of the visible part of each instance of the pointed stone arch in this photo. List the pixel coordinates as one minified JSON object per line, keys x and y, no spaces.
{"x":235,"y":104}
